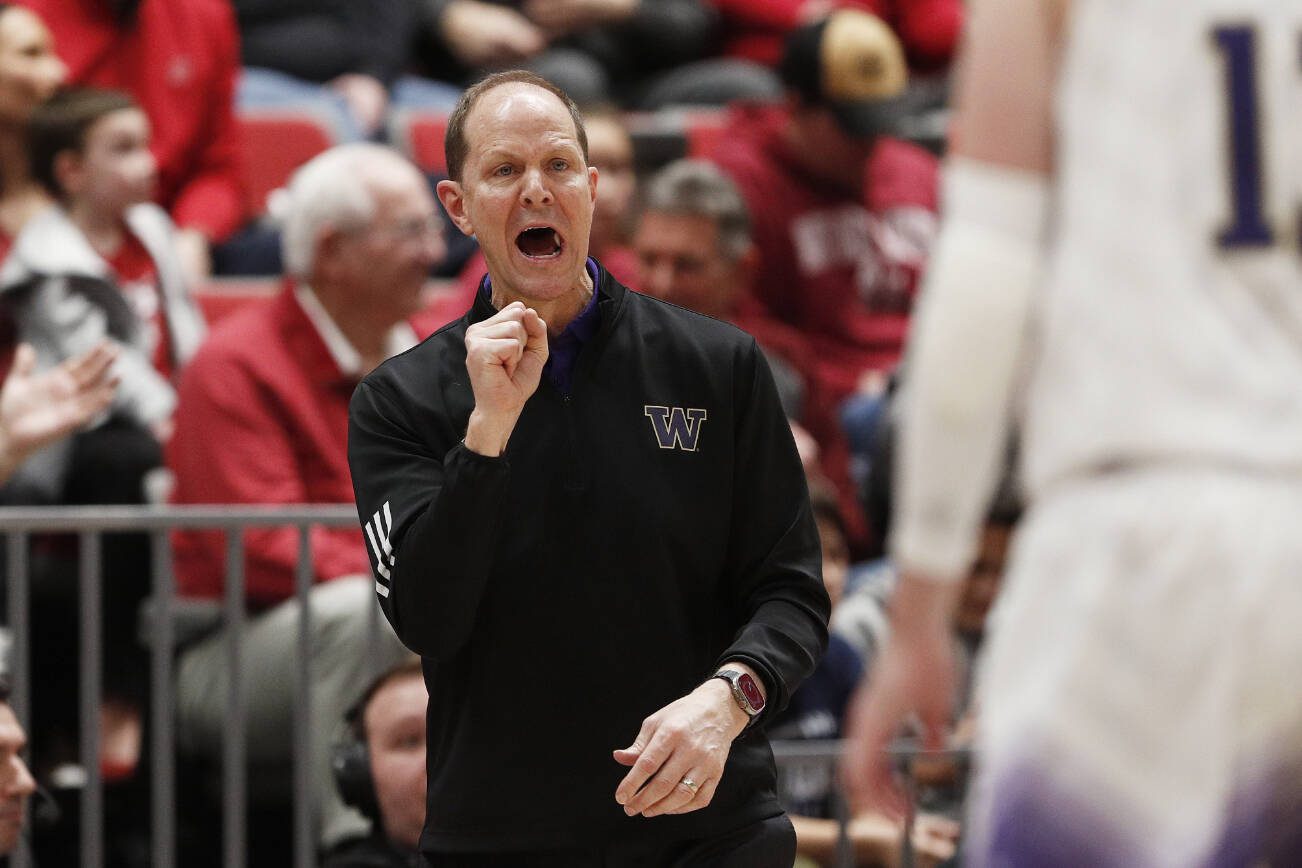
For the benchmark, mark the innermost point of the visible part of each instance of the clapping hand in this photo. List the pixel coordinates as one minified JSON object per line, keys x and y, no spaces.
{"x":39,"y":408}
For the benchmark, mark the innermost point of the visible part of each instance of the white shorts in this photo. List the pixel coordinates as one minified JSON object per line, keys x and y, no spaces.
{"x":1141,"y":690}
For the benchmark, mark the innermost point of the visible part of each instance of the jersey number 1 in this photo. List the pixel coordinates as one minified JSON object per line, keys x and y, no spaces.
{"x":1249,"y":227}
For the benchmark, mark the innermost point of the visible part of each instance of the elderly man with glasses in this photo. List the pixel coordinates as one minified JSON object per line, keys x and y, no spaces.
{"x":263,"y":419}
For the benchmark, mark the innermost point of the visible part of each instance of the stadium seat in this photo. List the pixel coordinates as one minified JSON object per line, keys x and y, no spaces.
{"x":704,"y":130}
{"x":221,"y":297}
{"x":669,"y":134}
{"x":419,"y":135}
{"x":274,"y":144}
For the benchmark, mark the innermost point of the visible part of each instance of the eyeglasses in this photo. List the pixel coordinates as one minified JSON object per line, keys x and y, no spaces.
{"x":411,"y":229}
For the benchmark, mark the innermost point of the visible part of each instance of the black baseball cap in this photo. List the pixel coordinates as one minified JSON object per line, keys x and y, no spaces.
{"x":852,"y":63}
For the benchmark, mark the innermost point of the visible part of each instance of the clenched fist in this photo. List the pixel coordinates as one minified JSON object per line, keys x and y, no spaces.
{"x":505,"y":355}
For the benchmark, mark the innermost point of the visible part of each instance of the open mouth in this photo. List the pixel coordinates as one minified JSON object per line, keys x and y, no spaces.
{"x":540,"y":242}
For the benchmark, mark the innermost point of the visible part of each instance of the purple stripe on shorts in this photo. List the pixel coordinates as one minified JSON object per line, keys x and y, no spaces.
{"x":1031,"y":820}
{"x":1034,"y":823}
{"x":1264,"y":823}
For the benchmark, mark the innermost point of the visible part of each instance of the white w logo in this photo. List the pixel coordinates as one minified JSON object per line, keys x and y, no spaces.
{"x":676,"y":428}
{"x":378,"y":531}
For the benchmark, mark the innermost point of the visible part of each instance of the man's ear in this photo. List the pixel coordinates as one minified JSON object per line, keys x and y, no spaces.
{"x":592,"y":183}
{"x":747,"y":266}
{"x":454,"y":202}
{"x":325,"y":263}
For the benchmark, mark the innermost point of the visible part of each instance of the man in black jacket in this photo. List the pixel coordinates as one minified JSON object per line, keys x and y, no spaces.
{"x":586,"y":512}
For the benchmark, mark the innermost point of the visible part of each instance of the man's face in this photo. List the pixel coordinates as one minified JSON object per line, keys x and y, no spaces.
{"x":526,"y":193}
{"x":16,"y":782}
{"x":681,"y":263}
{"x":828,"y":151}
{"x":30,"y":71}
{"x":395,"y":736}
{"x":115,"y":168}
{"x":610,"y":151}
{"x":385,"y":263}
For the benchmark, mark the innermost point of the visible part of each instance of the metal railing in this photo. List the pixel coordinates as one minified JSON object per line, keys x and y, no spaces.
{"x":89,"y":523}
{"x":18,"y":525}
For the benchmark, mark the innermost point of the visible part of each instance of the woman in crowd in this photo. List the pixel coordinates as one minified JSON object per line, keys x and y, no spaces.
{"x":30,"y":73}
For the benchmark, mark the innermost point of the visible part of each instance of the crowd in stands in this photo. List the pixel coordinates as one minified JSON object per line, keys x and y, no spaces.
{"x":803,"y":217}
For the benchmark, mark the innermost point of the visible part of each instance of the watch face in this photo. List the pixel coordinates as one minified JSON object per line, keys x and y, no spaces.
{"x":751,"y":691}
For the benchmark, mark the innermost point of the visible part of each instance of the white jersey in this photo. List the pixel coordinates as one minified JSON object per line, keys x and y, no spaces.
{"x":1171,"y":328}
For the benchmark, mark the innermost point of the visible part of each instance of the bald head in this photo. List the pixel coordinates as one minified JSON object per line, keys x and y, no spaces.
{"x":455,"y":144}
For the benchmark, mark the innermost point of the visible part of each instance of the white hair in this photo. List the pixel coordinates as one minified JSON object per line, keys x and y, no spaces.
{"x":335,"y":189}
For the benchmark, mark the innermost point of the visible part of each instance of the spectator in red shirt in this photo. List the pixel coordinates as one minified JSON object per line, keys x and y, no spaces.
{"x":263,"y":419}
{"x":694,"y":247}
{"x":179,"y":59}
{"x":30,"y":72}
{"x":844,"y":214}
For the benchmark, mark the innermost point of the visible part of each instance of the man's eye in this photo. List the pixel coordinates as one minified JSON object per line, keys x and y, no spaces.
{"x":502,"y":171}
{"x":559,"y":165}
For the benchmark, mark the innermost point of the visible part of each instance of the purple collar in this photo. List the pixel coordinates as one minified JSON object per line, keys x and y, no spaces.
{"x":563,"y":350}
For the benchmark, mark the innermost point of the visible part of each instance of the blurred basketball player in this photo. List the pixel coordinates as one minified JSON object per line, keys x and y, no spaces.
{"x":1120,"y":275}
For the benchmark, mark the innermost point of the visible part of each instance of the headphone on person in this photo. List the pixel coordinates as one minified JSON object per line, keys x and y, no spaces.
{"x":350,"y":763}
{"x":350,"y":757}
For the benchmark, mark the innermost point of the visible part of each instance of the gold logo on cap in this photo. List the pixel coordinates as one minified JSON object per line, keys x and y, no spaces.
{"x":862,"y":58}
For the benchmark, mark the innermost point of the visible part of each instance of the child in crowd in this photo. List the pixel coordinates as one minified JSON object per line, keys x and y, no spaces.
{"x":100,"y":266}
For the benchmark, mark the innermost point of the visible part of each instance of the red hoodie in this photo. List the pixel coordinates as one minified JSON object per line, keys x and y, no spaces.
{"x":179,"y":60}
{"x":839,"y":267}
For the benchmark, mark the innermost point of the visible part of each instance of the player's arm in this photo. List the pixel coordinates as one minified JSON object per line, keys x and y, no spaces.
{"x":968,"y":338}
{"x":975,"y":305}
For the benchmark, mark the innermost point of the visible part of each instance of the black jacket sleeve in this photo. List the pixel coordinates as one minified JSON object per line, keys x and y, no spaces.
{"x":774,"y":555}
{"x":431,"y":523}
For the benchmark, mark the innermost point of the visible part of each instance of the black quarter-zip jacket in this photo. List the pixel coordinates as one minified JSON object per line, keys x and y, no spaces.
{"x":636,"y":533}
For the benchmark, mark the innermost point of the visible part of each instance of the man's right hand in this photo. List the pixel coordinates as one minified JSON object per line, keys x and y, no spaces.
{"x":505,"y":355}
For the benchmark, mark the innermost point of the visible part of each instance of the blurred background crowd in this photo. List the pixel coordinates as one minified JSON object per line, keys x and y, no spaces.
{"x":235,"y":196}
